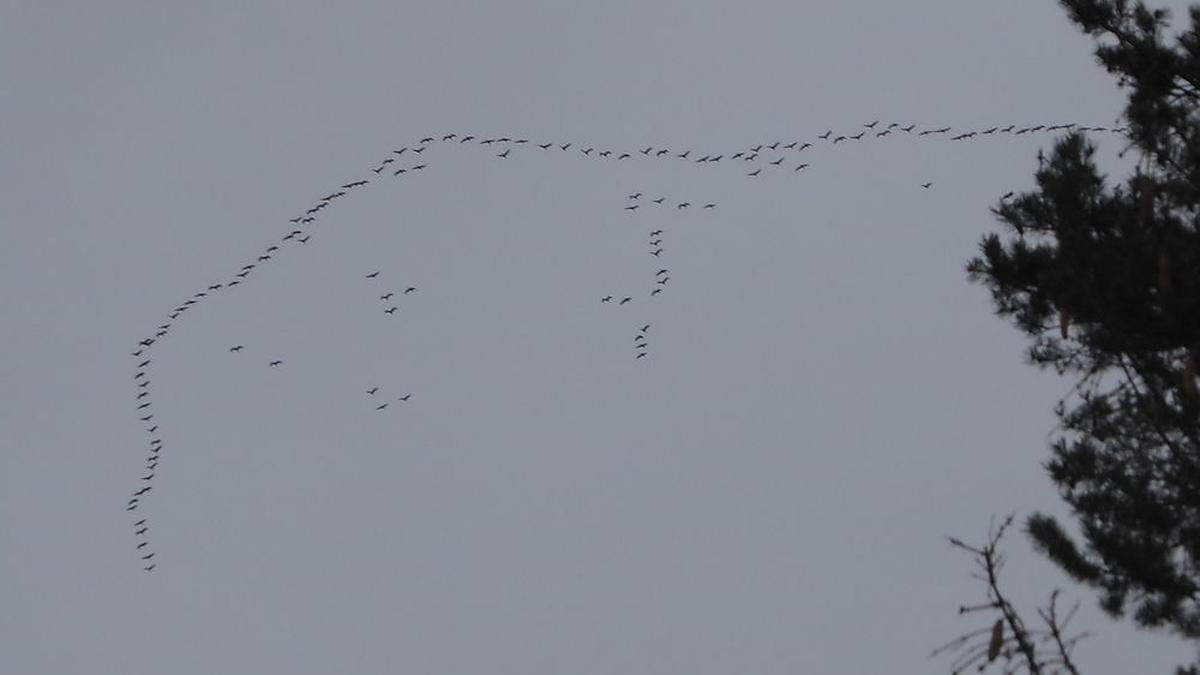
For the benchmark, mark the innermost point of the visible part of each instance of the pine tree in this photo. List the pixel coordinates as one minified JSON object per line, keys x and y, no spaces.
{"x":1105,"y":279}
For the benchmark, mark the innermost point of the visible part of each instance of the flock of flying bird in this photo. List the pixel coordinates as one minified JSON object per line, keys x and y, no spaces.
{"x":759,"y":160}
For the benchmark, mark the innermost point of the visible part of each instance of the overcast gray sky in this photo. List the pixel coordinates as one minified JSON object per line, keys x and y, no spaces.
{"x":824,"y":397}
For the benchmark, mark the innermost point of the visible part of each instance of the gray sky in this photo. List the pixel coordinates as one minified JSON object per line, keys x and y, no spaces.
{"x":824,"y":397}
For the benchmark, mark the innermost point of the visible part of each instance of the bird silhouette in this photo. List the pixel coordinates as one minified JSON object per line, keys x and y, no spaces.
{"x":144,"y":544}
{"x":625,"y":300}
{"x":655,"y":292}
{"x":236,"y":348}
{"x":776,"y":162}
{"x":826,"y":135}
{"x":544,"y":146}
{"x":410,"y":289}
{"x":143,"y":530}
{"x":661,"y":272}
{"x":926,"y":185}
{"x":799,"y":166}
{"x":372,"y":275}
{"x":381,"y":406}
{"x":754,"y":172}
{"x":641,"y":355}
{"x":276,"y":363}
{"x":607,"y":298}
{"x":645,"y":328}
{"x":391,"y":310}
{"x":656,"y":252}
{"x":504,"y":155}
{"x":710,"y":206}
{"x":372,"y":390}
{"x":149,"y":568}
{"x":1006,"y":195}
{"x":631,"y":208}
{"x":404,"y":397}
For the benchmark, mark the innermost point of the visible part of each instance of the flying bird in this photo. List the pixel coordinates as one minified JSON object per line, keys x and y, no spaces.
{"x":926,"y":185}
{"x":372,"y":390}
{"x":143,"y":530}
{"x":404,"y":397}
{"x":754,"y":172}
{"x":372,"y":275}
{"x":276,"y":363}
{"x":410,"y":289}
{"x":607,"y":298}
{"x":381,"y":406}
{"x":387,"y":296}
{"x":504,"y":155}
{"x":391,"y":310}
{"x":236,"y":348}
{"x":625,"y":300}
{"x":659,"y":200}
{"x":149,"y":568}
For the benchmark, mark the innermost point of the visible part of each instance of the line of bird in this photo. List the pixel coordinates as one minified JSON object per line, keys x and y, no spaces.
{"x":300,"y":236}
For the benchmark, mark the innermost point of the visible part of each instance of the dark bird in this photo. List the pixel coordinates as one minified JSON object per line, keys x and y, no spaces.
{"x":655,"y":233}
{"x":372,"y":275}
{"x":839,"y":139}
{"x":404,"y":397}
{"x":391,"y":310}
{"x":419,"y":167}
{"x":826,"y":135}
{"x":646,"y":150}
{"x":148,"y":556}
{"x":799,"y":166}
{"x":926,"y":185}
{"x":387,"y":296}
{"x":645,"y":328}
{"x":625,"y":300}
{"x":656,"y":252}
{"x":683,"y":155}
{"x":660,"y":200}
{"x":661,"y":272}
{"x":464,"y":139}
{"x":153,"y":429}
{"x":624,"y":155}
{"x":143,"y":364}
{"x":908,"y":129}
{"x":142,"y":531}
{"x":656,"y":242}
{"x":427,"y":139}
{"x":683,"y":205}
{"x":655,"y":292}
{"x":144,"y":544}
{"x":607,"y":298}
{"x":137,"y":353}
{"x":399,"y":171}
{"x":858,"y":136}
{"x":504,"y":155}
{"x":871,"y":125}
{"x":660,"y":153}
{"x":635,"y":195}
{"x":149,"y":568}
{"x":588,"y":151}
{"x":144,"y":405}
{"x":1006,"y":195}
{"x":143,"y":491}
{"x":304,"y":240}
{"x":664,"y":280}
{"x":641,"y":355}
{"x":272,"y":249}
{"x":545,"y":146}
{"x":776,"y":162}
{"x":631,"y":208}
{"x":276,"y":363}
{"x":140,"y":522}
{"x":564,"y":147}
{"x":372,"y":390}
{"x":410,"y":289}
{"x":754,"y":172}
{"x":236,"y":348}
{"x":381,"y":406}
{"x":148,"y":476}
